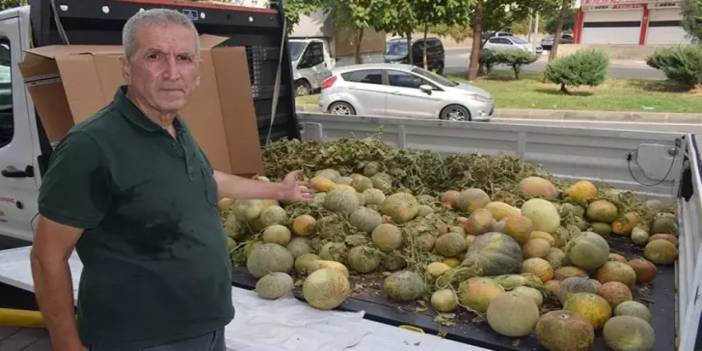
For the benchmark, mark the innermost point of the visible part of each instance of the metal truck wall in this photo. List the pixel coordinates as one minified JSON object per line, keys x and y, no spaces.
{"x":259,"y":30}
{"x":596,"y":154}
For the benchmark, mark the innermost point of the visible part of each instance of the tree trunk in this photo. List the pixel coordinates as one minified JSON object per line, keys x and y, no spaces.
{"x":359,"y":41}
{"x":424,"y":47}
{"x":410,"y":54}
{"x":477,"y":39}
{"x":563,"y":89}
{"x":559,"y":29}
{"x":516,"y":69}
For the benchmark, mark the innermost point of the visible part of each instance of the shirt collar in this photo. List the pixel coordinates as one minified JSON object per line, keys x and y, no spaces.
{"x":133,"y":114}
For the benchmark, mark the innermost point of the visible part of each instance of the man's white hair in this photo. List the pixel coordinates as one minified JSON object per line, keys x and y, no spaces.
{"x":150,"y":18}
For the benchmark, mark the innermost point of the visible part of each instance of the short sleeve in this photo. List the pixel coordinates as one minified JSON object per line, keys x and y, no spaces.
{"x":75,"y":190}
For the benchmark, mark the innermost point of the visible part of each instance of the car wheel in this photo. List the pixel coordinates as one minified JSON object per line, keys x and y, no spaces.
{"x":455,"y":113}
{"x":341,"y":108}
{"x":440,"y":69}
{"x":302,"y":88}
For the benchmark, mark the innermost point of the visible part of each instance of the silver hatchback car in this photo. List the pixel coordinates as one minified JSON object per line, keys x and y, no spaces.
{"x":402,"y":91}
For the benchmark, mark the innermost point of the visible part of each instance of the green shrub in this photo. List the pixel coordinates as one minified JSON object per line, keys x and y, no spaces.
{"x":680,"y":64}
{"x":513,"y":58}
{"x":584,"y":67}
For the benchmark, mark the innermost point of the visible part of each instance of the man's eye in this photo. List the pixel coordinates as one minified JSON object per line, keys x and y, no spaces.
{"x":185,"y":58}
{"x":153,"y":56}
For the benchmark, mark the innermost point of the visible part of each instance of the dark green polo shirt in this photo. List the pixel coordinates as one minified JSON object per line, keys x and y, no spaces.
{"x":156,"y":267}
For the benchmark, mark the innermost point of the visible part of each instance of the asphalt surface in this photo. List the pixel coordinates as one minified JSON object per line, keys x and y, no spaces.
{"x":457,"y":63}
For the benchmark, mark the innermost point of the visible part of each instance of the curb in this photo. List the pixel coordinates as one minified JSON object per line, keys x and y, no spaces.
{"x":575,"y":115}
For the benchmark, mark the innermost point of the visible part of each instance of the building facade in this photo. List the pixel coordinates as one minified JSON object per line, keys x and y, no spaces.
{"x":630,"y":22}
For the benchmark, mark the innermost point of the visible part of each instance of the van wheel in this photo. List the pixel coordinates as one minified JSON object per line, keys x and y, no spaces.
{"x":302,"y":88}
{"x":455,"y":113}
{"x":341,"y":108}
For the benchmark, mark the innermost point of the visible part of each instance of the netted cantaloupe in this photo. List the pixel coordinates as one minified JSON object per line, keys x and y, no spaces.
{"x":531,"y":293}
{"x":328,"y":173}
{"x":633,"y":309}
{"x":564,"y":331}
{"x":247,"y":210}
{"x":471,"y":199}
{"x":513,"y":315}
{"x":364,"y":259}
{"x":321,"y":264}
{"x":436,"y":269}
{"x":394,"y":261}
{"x":645,"y":270}
{"x":591,"y":306}
{"x":639,"y":235}
{"x":382,"y":181}
{"x":566,"y":272}
{"x":664,"y":223}
{"x":543,"y":214}
{"x":277,"y":234}
{"x":365,"y":219}
{"x":602,"y":211}
{"x":613,"y":271}
{"x":361,"y":183}
{"x":326,"y":288}
{"x":424,"y":210}
{"x":604,"y":229}
{"x":536,"y":248}
{"x":404,"y":286}
{"x":333,"y":251}
{"x":268,"y":258}
{"x":426,"y":241}
{"x":661,"y":251}
{"x":556,"y":257}
{"x":492,"y":254}
{"x":372,"y":168}
{"x":582,"y":191}
{"x":373,"y":197}
{"x":444,"y":300}
{"x":387,"y":237}
{"x":448,"y":198}
{"x":476,"y":293}
{"x":587,"y":251}
{"x":304,"y":225}
{"x":303,"y":260}
{"x":273,"y":215}
{"x":299,"y":246}
{"x":626,"y":333}
{"x":500,"y":210}
{"x":574,"y":285}
{"x":519,"y":227}
{"x":274,"y":285}
{"x":401,"y":207}
{"x":537,"y":187}
{"x":614,"y":292}
{"x":321,"y":184}
{"x":450,"y":245}
{"x":538,"y":266}
{"x":342,"y":201}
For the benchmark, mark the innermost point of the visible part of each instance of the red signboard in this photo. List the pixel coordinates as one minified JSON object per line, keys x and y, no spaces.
{"x":620,"y":2}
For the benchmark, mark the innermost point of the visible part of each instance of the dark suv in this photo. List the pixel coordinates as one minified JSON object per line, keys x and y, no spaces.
{"x":396,"y":52}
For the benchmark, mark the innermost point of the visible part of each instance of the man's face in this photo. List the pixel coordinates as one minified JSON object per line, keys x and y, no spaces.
{"x":164,"y":70}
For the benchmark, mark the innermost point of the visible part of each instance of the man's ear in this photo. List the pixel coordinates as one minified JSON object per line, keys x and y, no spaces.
{"x":126,"y":69}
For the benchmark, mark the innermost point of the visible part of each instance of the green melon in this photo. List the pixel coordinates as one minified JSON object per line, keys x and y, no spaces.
{"x":588,"y":251}
{"x":602,"y":211}
{"x":366,"y":219}
{"x":342,"y":201}
{"x":333,"y":251}
{"x":513,"y":315}
{"x":299,"y":246}
{"x":450,"y":245}
{"x":268,"y":258}
{"x":401,"y":207}
{"x":364,"y":259}
{"x":273,"y":215}
{"x":387,"y":237}
{"x":471,"y":199}
{"x":274,"y":285}
{"x":326,"y":288}
{"x":626,"y":333}
{"x":277,"y":234}
{"x":543,"y":214}
{"x":373,"y":197}
{"x":404,"y":286}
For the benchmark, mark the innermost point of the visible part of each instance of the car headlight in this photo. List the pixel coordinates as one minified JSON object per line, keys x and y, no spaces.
{"x":480,"y":98}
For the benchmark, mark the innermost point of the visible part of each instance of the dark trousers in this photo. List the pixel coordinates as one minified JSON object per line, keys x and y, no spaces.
{"x":213,"y":341}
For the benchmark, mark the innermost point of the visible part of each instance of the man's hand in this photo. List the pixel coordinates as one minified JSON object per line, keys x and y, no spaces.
{"x":295,"y":190}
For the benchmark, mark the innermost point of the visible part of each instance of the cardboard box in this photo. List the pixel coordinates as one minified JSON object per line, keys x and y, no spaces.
{"x":70,"y":83}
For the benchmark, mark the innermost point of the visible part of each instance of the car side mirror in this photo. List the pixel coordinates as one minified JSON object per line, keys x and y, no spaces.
{"x":426,"y":88}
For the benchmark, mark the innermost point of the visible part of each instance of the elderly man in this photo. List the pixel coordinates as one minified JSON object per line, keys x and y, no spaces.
{"x":131,"y":190}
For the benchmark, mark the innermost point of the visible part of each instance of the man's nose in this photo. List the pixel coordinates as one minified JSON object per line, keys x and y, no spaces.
{"x":171,"y":69}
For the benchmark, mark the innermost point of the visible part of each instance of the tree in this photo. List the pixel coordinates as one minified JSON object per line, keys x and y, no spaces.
{"x":499,"y":15}
{"x":430,"y":13}
{"x":294,"y":9}
{"x":8,"y":4}
{"x":565,"y":6}
{"x":692,"y":18}
{"x":585,"y":67}
{"x":552,"y":21}
{"x":399,"y":19}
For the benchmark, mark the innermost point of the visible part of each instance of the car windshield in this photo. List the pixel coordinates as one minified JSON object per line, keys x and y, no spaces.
{"x":398,"y":47}
{"x":295,"y":48}
{"x":519,"y":40}
{"x":434,"y":77}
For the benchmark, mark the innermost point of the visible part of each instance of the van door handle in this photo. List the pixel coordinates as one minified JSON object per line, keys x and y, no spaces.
{"x":12,"y":172}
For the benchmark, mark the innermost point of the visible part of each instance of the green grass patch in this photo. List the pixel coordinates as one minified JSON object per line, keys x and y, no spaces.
{"x":612,"y":95}
{"x":307,"y":100}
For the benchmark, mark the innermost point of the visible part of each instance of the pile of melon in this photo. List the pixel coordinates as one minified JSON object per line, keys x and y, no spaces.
{"x":541,"y":264}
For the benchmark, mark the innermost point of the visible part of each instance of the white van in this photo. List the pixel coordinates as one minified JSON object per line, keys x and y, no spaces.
{"x":311,"y":64}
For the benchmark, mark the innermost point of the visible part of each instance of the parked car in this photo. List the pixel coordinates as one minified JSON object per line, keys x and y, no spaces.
{"x":396,"y":52}
{"x":310,"y":64}
{"x":402,"y":91}
{"x":491,"y":34}
{"x":547,"y":41}
{"x":511,"y":43}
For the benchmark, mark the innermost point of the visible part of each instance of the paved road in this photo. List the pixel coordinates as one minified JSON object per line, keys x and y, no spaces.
{"x":457,"y":63}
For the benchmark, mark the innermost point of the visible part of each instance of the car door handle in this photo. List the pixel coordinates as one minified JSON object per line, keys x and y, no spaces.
{"x":12,"y":172}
